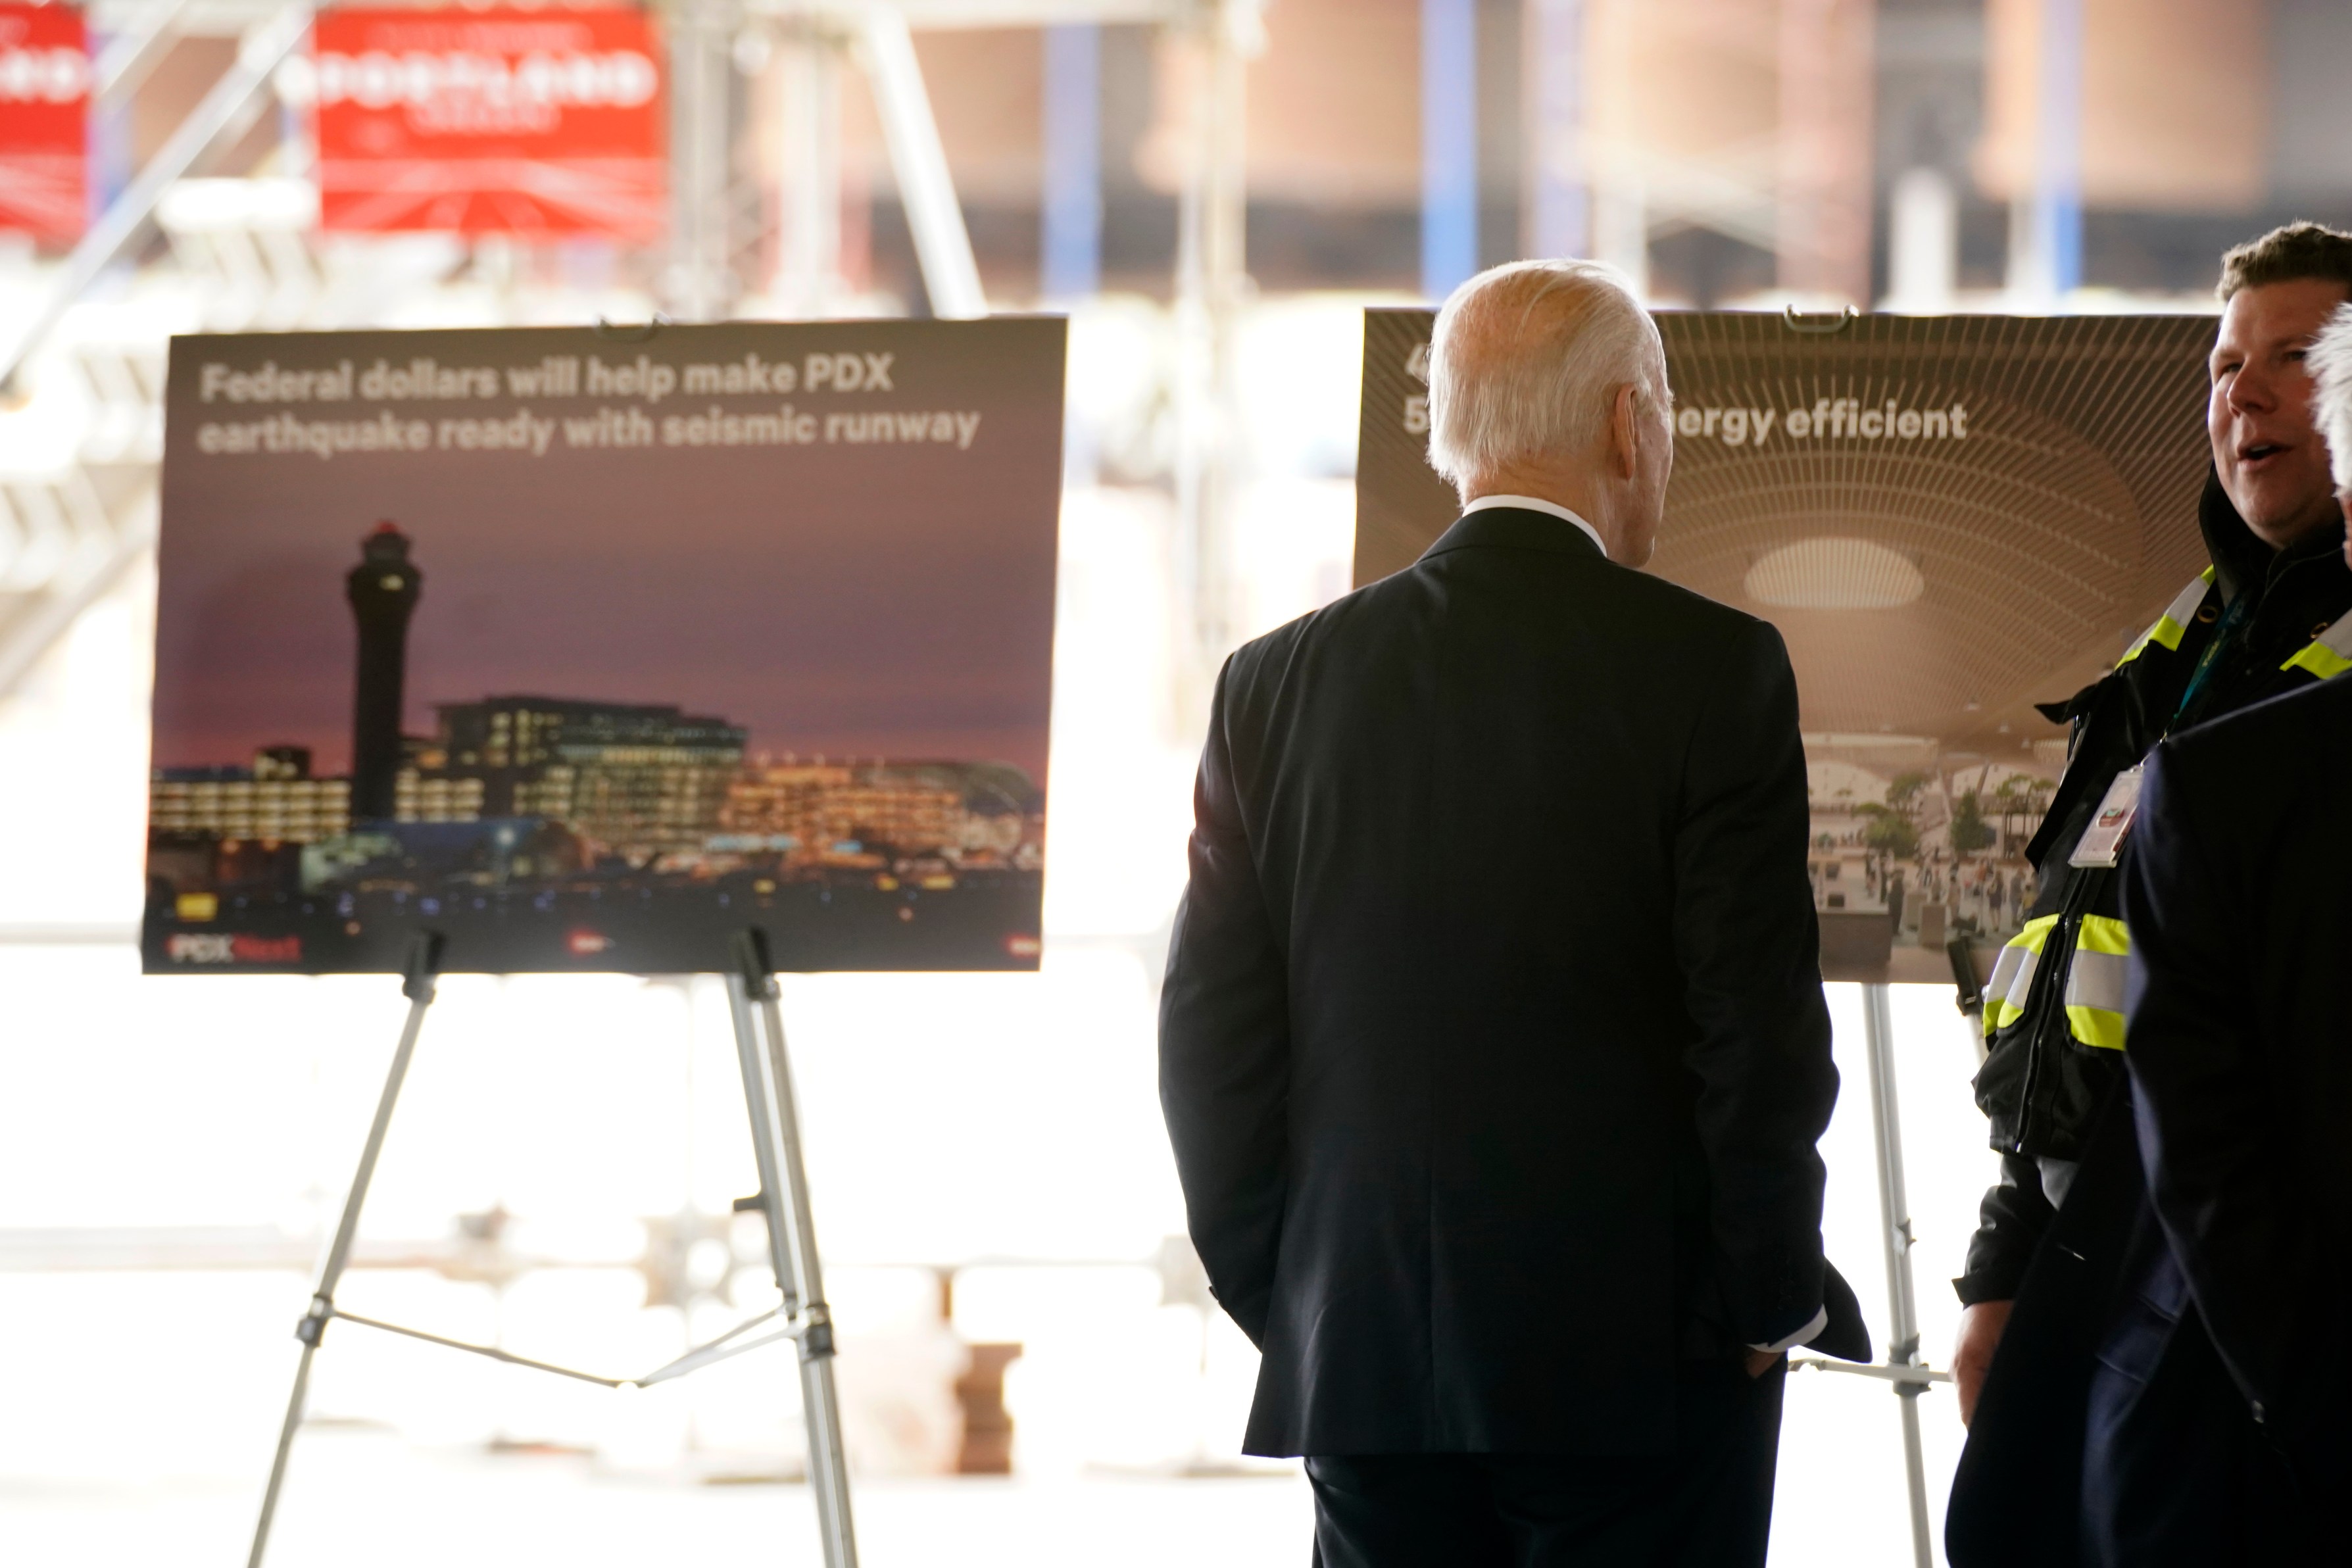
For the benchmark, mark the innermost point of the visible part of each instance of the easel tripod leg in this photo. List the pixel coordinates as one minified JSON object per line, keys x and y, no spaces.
{"x":278,"y":1464}
{"x":791,"y":1233}
{"x":828,"y":1464}
{"x":417,"y":984}
{"x":1895,"y":1210}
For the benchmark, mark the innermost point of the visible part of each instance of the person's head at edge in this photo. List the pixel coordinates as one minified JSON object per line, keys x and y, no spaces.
{"x":2276,"y":292}
{"x":1547,"y":379}
{"x":2330,"y":364}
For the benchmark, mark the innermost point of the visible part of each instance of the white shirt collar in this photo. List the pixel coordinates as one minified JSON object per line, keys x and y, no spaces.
{"x":1550,"y":508}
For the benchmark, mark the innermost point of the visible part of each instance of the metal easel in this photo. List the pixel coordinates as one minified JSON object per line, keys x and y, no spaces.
{"x":1903,"y":1370}
{"x":803,"y":1316}
{"x":1909,"y":1374}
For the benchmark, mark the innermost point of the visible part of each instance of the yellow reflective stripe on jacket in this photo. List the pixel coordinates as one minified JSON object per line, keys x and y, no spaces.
{"x":2173,"y":624}
{"x":2012,"y":973}
{"x":2329,"y":654}
{"x":2095,"y":982}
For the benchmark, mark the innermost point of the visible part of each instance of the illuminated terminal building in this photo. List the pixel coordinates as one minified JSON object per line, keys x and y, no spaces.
{"x":626,"y":779}
{"x":417,"y":798}
{"x":912,"y":807}
{"x":275,"y":799}
{"x":619,"y":774}
{"x":821,"y":806}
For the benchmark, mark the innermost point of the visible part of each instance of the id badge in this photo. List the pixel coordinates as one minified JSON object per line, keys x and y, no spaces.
{"x":2101,"y":843}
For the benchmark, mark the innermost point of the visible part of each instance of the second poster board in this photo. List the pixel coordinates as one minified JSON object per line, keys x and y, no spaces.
{"x":1950,"y":520}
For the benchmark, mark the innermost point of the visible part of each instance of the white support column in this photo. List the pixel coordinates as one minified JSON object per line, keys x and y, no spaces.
{"x":1212,"y":282}
{"x":1621,"y":219}
{"x":700,"y":285}
{"x":1558,"y":202}
{"x":1923,"y":242}
{"x":808,"y":273}
{"x":951,"y":275}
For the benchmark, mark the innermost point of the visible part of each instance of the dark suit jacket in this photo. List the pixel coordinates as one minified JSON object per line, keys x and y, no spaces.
{"x":2235,"y":1145}
{"x":2238,"y":888}
{"x":1492,"y":1044}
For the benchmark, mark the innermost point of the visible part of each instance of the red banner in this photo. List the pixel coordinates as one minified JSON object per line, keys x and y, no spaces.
{"x":44,"y":120}
{"x":525,"y":122}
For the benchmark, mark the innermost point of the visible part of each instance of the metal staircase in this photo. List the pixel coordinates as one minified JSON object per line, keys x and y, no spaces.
{"x":82,"y":338}
{"x":82,"y":439}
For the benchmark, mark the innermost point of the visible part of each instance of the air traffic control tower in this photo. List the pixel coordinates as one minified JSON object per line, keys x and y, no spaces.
{"x":383,"y":589}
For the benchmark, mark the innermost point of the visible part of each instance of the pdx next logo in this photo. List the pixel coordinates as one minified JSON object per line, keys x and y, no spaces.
{"x":223,"y":947}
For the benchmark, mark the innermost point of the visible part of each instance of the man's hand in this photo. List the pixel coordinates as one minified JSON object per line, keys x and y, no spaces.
{"x":1761,"y":1362}
{"x":1979,"y":1336}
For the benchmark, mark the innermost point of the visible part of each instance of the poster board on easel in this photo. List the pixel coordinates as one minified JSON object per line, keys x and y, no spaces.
{"x":678,"y":650}
{"x":583,"y":649}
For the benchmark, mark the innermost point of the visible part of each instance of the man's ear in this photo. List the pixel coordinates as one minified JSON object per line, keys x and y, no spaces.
{"x":1625,"y":432}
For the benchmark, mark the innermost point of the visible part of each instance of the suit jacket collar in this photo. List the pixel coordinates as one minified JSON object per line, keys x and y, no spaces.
{"x":1514,"y":528}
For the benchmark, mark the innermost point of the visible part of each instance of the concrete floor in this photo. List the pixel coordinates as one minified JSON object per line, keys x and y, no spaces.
{"x":366,"y":1496}
{"x":360,"y":1499}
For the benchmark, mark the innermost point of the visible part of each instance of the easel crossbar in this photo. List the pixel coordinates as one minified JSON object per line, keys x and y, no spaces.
{"x":783,"y":1200}
{"x":490,"y":1351}
{"x":720,"y":1350}
{"x":1897,"y":1373}
{"x":702,"y":1356}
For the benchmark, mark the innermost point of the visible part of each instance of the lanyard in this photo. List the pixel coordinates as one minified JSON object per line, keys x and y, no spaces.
{"x":2231,"y":617}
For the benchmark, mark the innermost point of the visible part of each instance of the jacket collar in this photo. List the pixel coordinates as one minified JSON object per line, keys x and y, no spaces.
{"x":2241,"y":558}
{"x":1514,"y":528}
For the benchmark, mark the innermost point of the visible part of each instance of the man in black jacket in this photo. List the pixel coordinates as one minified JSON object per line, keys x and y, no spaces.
{"x":1493,"y":1047}
{"x":2216,"y":1426}
{"x":2265,"y":619}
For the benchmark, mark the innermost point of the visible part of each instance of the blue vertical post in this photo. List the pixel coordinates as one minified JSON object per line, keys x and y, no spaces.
{"x":1070,"y":224}
{"x":2058,"y":157}
{"x":1449,"y":145}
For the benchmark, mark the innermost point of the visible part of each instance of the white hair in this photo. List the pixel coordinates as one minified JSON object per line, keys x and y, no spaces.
{"x":2329,"y":360}
{"x":1526,"y":362}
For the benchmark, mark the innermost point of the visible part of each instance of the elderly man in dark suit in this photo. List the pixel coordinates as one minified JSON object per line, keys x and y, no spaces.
{"x":2217,"y":1423}
{"x":1493,"y":1047}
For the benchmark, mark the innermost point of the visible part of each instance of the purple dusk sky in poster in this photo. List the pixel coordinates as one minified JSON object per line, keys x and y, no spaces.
{"x":840,"y":537}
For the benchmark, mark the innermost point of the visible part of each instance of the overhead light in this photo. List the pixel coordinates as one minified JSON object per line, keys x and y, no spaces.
{"x":1835,"y":574}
